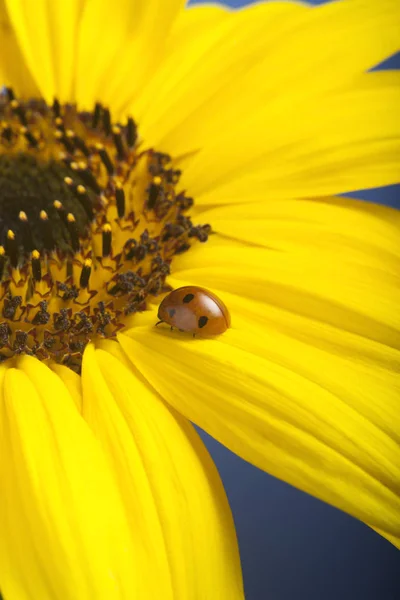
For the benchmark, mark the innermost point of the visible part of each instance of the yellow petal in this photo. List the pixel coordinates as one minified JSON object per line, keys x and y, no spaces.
{"x":169,"y":485}
{"x":204,"y":21}
{"x":120,"y":46}
{"x":369,"y":234}
{"x":353,"y":296}
{"x":47,"y":35}
{"x":210,"y":49}
{"x":13,"y":69}
{"x":64,"y":533}
{"x":245,"y":60}
{"x":348,"y":140}
{"x":72,"y":382}
{"x":352,"y":346}
{"x":350,"y":230}
{"x":312,"y":418}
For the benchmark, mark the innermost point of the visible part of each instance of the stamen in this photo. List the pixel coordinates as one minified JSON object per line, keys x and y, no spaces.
{"x":106,"y":121}
{"x":65,"y":141}
{"x":107,"y":235}
{"x":73,"y":232}
{"x":131,"y":136}
{"x":26,"y":233}
{"x":2,"y":261}
{"x":60,"y":124}
{"x":80,"y":145}
{"x":10,"y":94}
{"x":36,"y":266}
{"x":118,"y":143}
{"x":85,"y":274}
{"x":61,"y":211}
{"x":19,"y":111}
{"x":96,"y":115}
{"x":56,"y":108}
{"x":7,"y":133}
{"x":85,"y":200}
{"x":30,"y":138}
{"x":155,"y":191}
{"x":12,"y":248}
{"x":89,"y":179}
{"x":120,"y":199}
{"x":106,"y":160}
{"x":46,"y":230}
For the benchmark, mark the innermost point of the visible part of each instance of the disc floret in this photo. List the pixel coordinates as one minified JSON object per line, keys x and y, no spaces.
{"x":89,"y":224}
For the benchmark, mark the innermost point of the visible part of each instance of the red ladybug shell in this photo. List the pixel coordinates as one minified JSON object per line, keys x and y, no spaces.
{"x":195,"y":309}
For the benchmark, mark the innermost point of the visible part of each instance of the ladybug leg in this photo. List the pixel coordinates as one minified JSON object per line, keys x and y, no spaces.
{"x":159,"y":323}
{"x":194,"y":335}
{"x":172,"y":328}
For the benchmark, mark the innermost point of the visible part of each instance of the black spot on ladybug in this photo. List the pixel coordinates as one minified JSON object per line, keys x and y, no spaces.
{"x":203,"y":321}
{"x":171,"y":312}
{"x":188,"y":298}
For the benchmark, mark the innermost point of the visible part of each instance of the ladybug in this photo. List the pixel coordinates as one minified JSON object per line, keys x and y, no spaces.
{"x":194,"y":309}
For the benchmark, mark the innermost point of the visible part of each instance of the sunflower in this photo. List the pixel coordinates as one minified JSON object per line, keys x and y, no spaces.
{"x":145,"y":147}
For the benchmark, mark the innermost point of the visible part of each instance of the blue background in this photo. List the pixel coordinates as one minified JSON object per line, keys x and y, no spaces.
{"x":294,"y":547}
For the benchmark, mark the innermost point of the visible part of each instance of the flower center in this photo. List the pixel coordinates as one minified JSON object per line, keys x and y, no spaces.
{"x":89,"y":224}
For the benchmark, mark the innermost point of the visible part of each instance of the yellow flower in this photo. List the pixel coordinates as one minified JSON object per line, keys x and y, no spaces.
{"x":262,"y":116}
